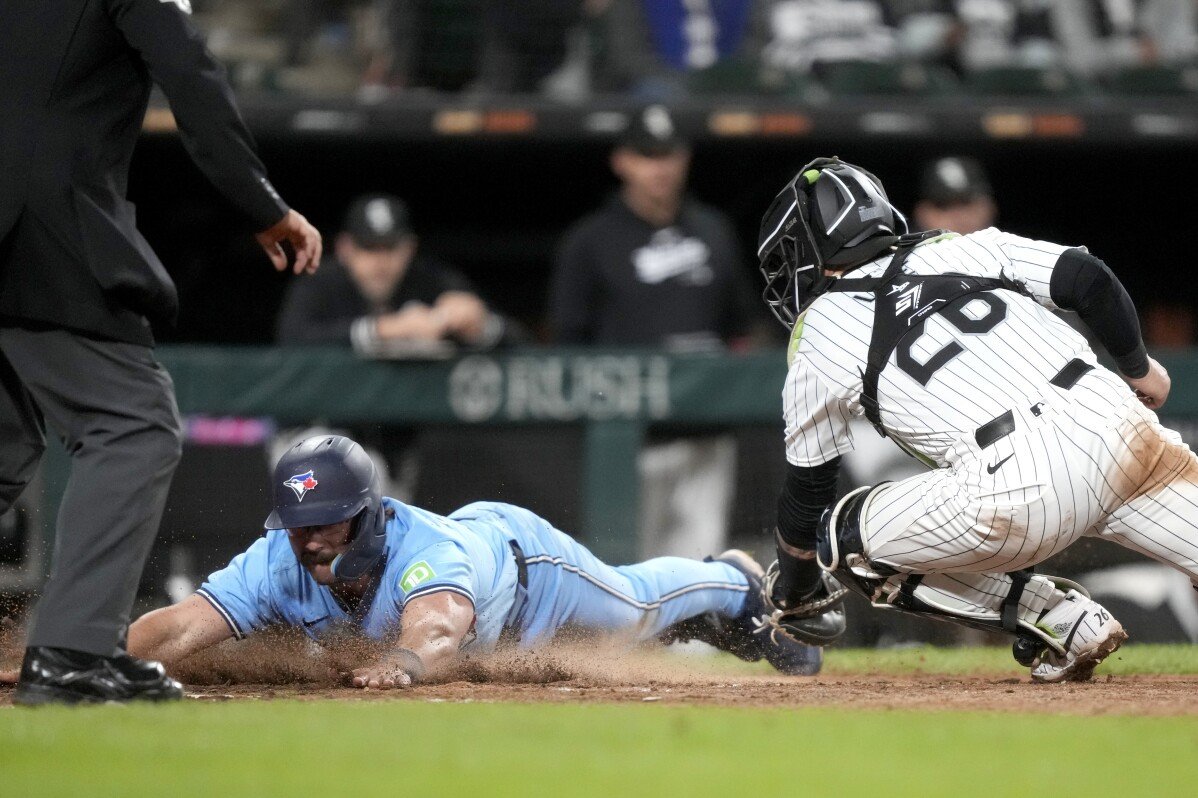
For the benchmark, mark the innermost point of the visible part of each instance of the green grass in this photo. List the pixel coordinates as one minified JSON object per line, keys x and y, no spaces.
{"x":401,"y":748}
{"x":1131,"y":659}
{"x":963,"y":661}
{"x":425,"y":749}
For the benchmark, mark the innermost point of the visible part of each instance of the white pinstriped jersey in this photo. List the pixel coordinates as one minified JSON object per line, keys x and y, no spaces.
{"x":1007,"y":366}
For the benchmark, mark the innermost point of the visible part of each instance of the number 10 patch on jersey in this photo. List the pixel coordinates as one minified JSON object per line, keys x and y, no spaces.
{"x":416,"y":574}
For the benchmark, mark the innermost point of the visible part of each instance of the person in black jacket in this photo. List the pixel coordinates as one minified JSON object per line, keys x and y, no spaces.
{"x":79,"y":288}
{"x":381,"y":295}
{"x":656,"y":268}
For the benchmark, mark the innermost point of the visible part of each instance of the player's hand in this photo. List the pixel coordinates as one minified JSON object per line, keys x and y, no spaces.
{"x":303,"y":237}
{"x":464,"y":314}
{"x":382,"y":676}
{"x":416,"y":322}
{"x":1153,"y":388}
{"x":9,"y":677}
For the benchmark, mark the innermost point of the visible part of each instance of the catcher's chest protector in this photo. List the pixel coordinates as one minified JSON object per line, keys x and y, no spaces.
{"x":902,"y":305}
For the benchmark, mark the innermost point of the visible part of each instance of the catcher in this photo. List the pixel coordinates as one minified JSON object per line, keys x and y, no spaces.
{"x":949,"y":346}
{"x":337,"y":552}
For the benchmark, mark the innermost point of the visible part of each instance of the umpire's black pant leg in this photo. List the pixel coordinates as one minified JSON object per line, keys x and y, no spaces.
{"x":22,"y":435}
{"x":114,"y":407}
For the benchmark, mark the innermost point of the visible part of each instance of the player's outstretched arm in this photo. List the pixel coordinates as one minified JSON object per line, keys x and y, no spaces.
{"x":434,"y":626}
{"x":172,"y":633}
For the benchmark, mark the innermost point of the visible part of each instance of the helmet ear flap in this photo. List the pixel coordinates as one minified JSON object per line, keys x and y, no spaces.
{"x":369,"y":535}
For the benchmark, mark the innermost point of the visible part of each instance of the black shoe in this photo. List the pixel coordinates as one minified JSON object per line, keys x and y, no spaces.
{"x":63,"y":676}
{"x":743,"y":635}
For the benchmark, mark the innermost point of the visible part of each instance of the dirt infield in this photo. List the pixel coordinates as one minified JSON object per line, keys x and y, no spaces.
{"x":1149,"y":695}
{"x":289,"y":668}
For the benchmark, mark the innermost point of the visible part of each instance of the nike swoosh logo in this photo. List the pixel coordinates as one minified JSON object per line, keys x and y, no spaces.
{"x":310,"y":624}
{"x":991,"y":469}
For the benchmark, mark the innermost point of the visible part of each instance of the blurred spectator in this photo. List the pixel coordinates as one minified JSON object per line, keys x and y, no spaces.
{"x":428,"y":44}
{"x":801,"y":34}
{"x":955,"y":195}
{"x":649,"y":47}
{"x":655,"y":268}
{"x":1007,"y":33}
{"x":925,"y":30}
{"x":381,"y":296}
{"x":525,"y":42}
{"x":1104,"y":35}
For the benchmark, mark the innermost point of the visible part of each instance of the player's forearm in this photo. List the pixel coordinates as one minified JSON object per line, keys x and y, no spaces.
{"x":172,"y":633}
{"x":436,"y":643}
{"x":157,"y":636}
{"x":805,"y":495}
{"x":1083,"y":283}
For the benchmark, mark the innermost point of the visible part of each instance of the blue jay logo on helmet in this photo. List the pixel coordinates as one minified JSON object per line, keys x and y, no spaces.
{"x":301,"y":484}
{"x":350,"y":490}
{"x":815,"y":225}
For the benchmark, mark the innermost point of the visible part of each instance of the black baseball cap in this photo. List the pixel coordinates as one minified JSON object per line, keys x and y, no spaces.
{"x":377,"y":221}
{"x":652,"y":131}
{"x":953,"y":180}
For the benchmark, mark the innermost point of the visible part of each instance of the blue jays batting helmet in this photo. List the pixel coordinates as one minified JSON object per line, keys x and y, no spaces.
{"x":325,"y":480}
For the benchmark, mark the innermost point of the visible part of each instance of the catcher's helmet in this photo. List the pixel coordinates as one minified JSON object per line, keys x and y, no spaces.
{"x":832,"y":214}
{"x":326,"y":480}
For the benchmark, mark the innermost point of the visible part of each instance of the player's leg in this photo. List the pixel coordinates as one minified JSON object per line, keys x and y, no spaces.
{"x":569,"y":587}
{"x":22,"y":435}
{"x":115,"y":409}
{"x":1062,"y":635}
{"x":702,"y":496}
{"x":1157,"y":517}
{"x":1001,"y":508}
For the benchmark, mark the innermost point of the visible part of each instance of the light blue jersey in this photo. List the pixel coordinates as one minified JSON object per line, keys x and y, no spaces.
{"x":470,"y":553}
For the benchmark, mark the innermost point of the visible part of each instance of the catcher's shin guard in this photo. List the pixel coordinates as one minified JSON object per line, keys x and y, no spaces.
{"x":838,"y":546}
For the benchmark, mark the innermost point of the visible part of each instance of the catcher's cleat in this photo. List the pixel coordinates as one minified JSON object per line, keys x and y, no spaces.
{"x":817,"y":619}
{"x":741,"y":636}
{"x":63,"y":676}
{"x":1088,"y":633}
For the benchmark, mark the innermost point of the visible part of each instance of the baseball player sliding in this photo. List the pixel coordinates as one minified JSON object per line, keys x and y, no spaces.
{"x":949,"y":346}
{"x":337,"y":552}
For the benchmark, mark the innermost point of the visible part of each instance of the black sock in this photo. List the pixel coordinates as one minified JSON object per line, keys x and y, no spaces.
{"x":797,"y":580}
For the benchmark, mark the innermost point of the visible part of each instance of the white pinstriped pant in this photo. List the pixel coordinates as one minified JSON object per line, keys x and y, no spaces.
{"x":1093,"y":462}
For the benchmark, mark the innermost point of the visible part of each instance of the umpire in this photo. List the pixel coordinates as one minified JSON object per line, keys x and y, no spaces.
{"x":78,"y":289}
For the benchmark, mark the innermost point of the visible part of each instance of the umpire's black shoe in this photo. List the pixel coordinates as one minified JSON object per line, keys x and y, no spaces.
{"x":63,"y":676}
{"x":742,"y":636}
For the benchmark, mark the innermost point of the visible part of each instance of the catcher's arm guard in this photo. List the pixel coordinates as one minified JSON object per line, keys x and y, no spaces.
{"x":817,"y":620}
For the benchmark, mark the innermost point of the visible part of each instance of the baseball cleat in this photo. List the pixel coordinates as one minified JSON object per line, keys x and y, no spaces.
{"x":63,"y":676}
{"x":740,"y":636}
{"x":1088,"y":633}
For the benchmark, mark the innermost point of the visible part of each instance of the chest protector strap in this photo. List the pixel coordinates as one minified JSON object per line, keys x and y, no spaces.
{"x":902,"y":304}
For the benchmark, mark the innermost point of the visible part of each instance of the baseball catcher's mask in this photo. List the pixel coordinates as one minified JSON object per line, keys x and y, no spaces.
{"x":830,"y":215}
{"x":326,"y":480}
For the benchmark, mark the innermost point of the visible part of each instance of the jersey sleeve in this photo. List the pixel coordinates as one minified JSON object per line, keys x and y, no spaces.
{"x":817,"y":420}
{"x":241,"y":591}
{"x":1028,"y":262}
{"x":202,"y":101}
{"x":441,"y":566}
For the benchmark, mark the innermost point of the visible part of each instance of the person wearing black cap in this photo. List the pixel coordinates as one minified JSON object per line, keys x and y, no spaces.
{"x":653,"y":267}
{"x":381,"y":295}
{"x":955,"y":195}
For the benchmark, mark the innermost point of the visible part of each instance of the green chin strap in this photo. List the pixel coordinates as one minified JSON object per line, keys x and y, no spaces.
{"x":811,"y":175}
